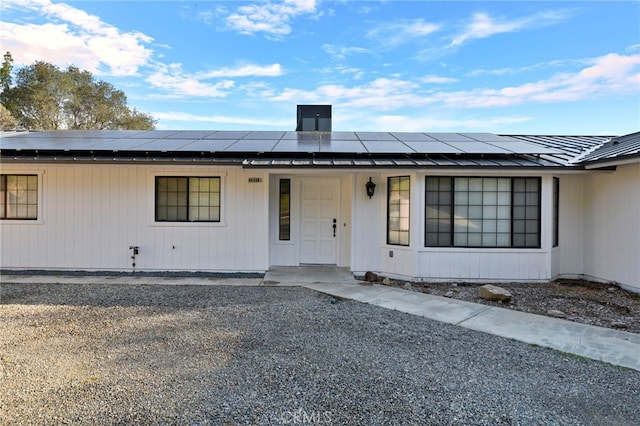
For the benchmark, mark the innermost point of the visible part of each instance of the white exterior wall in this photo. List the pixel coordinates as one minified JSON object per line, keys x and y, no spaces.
{"x":612,"y":226}
{"x":371,"y":253}
{"x":89,"y":215}
{"x":568,"y":257}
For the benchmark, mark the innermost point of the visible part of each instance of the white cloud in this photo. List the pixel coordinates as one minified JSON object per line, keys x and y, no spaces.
{"x":356,"y":73}
{"x":434,"y":79}
{"x":482,"y":25}
{"x":74,"y":37}
{"x":512,"y":70}
{"x":273,"y":70}
{"x":271,"y":18}
{"x":178,"y":83}
{"x":341,"y":52}
{"x":381,"y":94}
{"x":397,"y":33}
{"x":608,"y":75}
{"x":172,"y":79}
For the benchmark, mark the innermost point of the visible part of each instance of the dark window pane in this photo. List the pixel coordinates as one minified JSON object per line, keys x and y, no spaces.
{"x":192,"y":199}
{"x":284,"y":212}
{"x":483,"y":211}
{"x":526,"y":212}
{"x":438,"y":207}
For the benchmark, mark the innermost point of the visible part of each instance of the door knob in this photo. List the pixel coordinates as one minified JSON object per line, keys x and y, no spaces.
{"x":334,"y":227}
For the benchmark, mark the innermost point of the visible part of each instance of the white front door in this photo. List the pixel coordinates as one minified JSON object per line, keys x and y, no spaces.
{"x":319,"y":225}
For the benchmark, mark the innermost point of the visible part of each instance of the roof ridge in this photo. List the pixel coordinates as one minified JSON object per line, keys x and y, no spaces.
{"x":578,"y":158}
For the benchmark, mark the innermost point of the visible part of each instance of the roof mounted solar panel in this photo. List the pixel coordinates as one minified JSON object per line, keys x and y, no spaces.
{"x":412,"y":137}
{"x":191,"y":134}
{"x":227,"y":134}
{"x":376,"y":136}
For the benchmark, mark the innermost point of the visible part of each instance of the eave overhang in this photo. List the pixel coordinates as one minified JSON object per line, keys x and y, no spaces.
{"x":290,"y":160}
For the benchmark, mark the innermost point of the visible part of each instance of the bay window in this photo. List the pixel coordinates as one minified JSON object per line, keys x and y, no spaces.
{"x":482,"y":212}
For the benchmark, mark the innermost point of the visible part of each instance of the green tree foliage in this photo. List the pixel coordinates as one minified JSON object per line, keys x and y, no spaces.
{"x":5,"y":72}
{"x":47,"y":98}
{"x":7,"y":122}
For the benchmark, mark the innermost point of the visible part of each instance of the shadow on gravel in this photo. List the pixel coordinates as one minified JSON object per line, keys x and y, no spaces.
{"x":124,"y":295}
{"x":138,"y":354}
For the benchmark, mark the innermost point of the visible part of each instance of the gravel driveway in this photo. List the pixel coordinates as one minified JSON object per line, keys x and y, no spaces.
{"x":105,"y":354}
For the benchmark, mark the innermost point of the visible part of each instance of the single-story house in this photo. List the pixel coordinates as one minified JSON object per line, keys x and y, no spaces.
{"x":419,"y":206}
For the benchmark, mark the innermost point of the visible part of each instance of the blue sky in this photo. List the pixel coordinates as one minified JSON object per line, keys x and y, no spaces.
{"x":540,"y":67}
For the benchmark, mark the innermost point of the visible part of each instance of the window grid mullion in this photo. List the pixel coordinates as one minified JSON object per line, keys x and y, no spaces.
{"x":4,"y":196}
{"x":452,"y":215}
{"x":188,"y":206}
{"x":183,"y":198}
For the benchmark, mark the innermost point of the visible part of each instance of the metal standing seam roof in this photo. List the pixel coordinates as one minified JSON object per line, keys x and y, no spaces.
{"x":300,"y":149}
{"x":617,"y":148}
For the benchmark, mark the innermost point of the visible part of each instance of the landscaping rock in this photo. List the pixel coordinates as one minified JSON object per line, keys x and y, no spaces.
{"x":618,"y":325}
{"x":556,"y":313}
{"x":495,"y":294}
{"x":386,"y":281}
{"x":371,"y":276}
{"x":448,"y":294}
{"x":408,"y":286}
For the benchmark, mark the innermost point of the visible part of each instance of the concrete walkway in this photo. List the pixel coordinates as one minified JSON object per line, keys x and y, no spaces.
{"x":616,"y":347}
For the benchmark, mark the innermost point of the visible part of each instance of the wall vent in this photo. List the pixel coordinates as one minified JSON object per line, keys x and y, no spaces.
{"x":314,"y":118}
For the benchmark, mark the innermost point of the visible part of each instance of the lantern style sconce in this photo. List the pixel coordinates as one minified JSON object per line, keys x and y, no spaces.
{"x":371,"y":188}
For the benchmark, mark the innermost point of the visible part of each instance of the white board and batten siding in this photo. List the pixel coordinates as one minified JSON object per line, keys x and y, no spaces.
{"x":89,"y":216}
{"x":417,"y":262}
{"x":490,"y":265}
{"x":612,"y":226}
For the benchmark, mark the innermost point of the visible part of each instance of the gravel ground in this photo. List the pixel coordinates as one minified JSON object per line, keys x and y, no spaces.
{"x":123,"y":354}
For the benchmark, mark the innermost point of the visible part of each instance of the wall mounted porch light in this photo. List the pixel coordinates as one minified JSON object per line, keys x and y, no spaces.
{"x":371,"y":188}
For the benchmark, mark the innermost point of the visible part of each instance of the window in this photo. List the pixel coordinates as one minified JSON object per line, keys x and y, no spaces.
{"x":284,"y":212}
{"x":398,"y":210}
{"x":19,"y":197}
{"x":556,"y":211}
{"x":438,"y":208}
{"x":187,"y":199}
{"x":482,"y":212}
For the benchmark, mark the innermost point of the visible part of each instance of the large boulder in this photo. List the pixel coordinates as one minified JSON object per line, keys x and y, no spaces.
{"x":371,"y":277}
{"x":495,"y":293}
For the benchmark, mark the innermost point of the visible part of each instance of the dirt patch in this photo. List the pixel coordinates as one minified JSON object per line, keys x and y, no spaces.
{"x":581,"y":301}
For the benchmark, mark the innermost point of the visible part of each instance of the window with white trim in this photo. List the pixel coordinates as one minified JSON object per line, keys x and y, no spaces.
{"x":19,"y":197}
{"x":482,"y":212}
{"x":187,"y":199}
{"x":284,"y":210}
{"x":398,"y":203}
